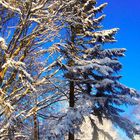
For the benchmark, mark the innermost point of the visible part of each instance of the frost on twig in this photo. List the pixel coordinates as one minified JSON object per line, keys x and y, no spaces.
{"x":3,"y":45}
{"x":10,"y":5}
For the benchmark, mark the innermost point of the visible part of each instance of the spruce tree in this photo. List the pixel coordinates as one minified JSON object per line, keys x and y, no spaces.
{"x":92,"y":70}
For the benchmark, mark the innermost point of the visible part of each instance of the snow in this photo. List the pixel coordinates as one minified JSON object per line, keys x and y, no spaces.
{"x":3,"y":44}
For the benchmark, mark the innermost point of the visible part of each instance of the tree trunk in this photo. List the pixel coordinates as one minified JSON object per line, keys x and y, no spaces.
{"x":71,"y":94}
{"x":71,"y":104}
{"x":35,"y":127}
{"x":71,"y":100}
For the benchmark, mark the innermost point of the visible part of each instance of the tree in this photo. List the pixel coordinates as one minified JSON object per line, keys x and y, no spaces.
{"x":55,"y":70}
{"x":92,"y":69}
{"x":27,"y":27}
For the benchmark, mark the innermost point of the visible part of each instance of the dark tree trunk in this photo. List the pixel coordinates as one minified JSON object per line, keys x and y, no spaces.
{"x":71,"y":93}
{"x":71,"y":104}
{"x":35,"y":127}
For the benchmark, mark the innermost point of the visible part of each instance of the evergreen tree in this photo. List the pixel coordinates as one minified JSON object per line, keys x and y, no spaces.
{"x":93,"y":70}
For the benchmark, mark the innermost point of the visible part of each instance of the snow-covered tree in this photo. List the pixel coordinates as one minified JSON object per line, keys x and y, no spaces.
{"x":92,"y":71}
{"x":55,"y":70}
{"x":26,"y":62}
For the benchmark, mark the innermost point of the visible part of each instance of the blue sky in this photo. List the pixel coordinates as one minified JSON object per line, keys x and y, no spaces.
{"x":125,"y":15}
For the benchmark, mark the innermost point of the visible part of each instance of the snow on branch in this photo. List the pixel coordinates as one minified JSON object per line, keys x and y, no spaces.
{"x":3,"y":45}
{"x":18,"y":65}
{"x":8,"y":6}
{"x":100,"y":8}
{"x":103,"y":36}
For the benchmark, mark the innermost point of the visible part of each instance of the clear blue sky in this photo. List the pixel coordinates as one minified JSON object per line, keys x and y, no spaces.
{"x":125,"y":14}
